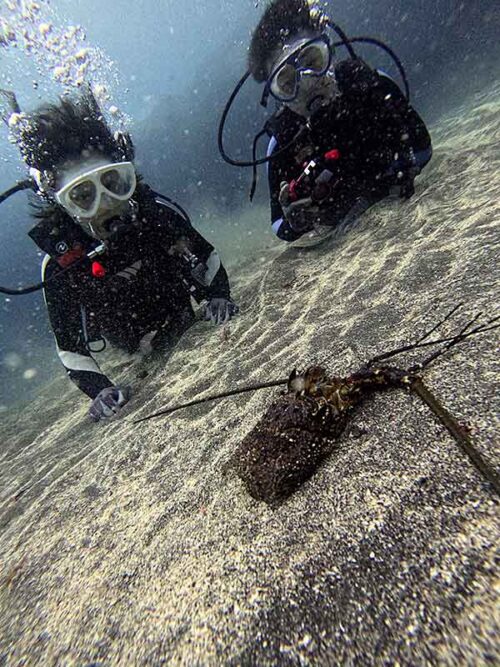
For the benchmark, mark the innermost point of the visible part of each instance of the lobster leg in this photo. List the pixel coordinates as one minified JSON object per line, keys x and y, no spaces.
{"x":461,"y":437}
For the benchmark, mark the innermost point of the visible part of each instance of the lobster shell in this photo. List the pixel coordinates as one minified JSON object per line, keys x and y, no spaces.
{"x":287,"y":445}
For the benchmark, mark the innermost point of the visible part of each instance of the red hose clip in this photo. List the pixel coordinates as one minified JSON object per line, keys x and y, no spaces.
{"x":98,"y":270}
{"x":334,"y":154}
{"x":292,"y":190}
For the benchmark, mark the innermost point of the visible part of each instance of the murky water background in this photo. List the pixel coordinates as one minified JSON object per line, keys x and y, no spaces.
{"x":164,"y":70}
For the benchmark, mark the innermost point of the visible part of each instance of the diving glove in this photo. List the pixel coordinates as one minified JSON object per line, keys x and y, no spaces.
{"x":302,"y":214}
{"x":220,"y":310}
{"x":108,"y":402}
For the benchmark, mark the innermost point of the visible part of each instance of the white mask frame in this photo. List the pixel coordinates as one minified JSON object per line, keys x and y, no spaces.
{"x":97,"y":183}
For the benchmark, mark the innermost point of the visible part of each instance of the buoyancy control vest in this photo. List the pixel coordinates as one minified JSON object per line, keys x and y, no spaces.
{"x":367,"y":99}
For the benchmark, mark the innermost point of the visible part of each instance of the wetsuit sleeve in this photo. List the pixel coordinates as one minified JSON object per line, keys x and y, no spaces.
{"x":404,"y":114}
{"x":277,"y":172}
{"x":400,"y":141}
{"x":376,"y":128}
{"x":65,"y":319}
{"x":210,"y":279}
{"x":407,"y":143}
{"x":214,"y":281}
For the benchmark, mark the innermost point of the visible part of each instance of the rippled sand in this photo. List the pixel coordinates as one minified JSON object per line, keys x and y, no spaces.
{"x":127,"y":544}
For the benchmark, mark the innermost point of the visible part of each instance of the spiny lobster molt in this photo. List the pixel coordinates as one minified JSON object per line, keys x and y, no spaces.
{"x":301,"y":427}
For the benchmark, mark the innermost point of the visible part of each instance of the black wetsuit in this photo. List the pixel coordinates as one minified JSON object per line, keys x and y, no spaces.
{"x":151,"y":271}
{"x":377,"y":133}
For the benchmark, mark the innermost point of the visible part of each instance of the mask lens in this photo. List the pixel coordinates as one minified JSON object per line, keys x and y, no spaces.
{"x":83,"y":195}
{"x":285,"y":81}
{"x":314,"y":57}
{"x":117,"y":181}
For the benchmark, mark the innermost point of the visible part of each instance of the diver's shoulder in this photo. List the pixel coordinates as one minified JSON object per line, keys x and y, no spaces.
{"x":353,"y":75}
{"x":352,"y":67}
{"x":387,"y":83}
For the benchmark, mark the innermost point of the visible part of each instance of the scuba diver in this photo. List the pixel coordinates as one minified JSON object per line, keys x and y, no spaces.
{"x":122,"y":262}
{"x":343,"y":136}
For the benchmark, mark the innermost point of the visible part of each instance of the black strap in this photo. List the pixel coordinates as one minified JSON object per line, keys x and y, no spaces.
{"x":254,"y":157}
{"x":44,"y":283}
{"x":27,"y":184}
{"x":174,"y":205}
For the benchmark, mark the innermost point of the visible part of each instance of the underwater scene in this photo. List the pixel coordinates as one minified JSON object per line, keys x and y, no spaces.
{"x":249,"y":370}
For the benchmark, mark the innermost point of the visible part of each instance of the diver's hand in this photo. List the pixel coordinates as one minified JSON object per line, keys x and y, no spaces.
{"x":301,"y":214}
{"x":220,"y":310}
{"x":108,"y":402}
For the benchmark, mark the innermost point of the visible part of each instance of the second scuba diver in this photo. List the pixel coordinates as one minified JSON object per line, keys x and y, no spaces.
{"x":122,"y":261}
{"x":343,"y":136}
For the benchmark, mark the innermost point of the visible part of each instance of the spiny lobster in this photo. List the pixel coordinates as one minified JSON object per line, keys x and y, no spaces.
{"x":300,"y":428}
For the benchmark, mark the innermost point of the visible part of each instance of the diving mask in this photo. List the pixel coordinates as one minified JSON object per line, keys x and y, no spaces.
{"x":311,"y":57}
{"x":81,"y":197}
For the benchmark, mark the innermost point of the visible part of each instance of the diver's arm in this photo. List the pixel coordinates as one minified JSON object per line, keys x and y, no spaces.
{"x":216,"y":277}
{"x":215,"y":281}
{"x":405,"y":114}
{"x":65,"y":319}
{"x":402,"y":127}
{"x":212,"y":278}
{"x":276,"y":174}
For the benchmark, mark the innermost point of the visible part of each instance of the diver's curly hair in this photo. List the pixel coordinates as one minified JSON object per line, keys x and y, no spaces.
{"x":58,"y":132}
{"x":281,"y":20}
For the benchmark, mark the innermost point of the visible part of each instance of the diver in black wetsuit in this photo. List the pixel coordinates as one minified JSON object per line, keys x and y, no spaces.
{"x":123,"y":262}
{"x":343,"y":136}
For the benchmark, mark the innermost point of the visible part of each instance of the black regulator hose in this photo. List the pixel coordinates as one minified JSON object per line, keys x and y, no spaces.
{"x":254,"y":158}
{"x":23,"y":290}
{"x":345,"y":41}
{"x":27,"y":184}
{"x":18,"y":187}
{"x":220,"y":136}
{"x":34,"y":288}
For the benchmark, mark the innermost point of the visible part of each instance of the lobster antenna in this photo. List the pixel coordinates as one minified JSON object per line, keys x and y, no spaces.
{"x":461,"y":336}
{"x":419,"y":343}
{"x":445,"y":318}
{"x":213,"y":397}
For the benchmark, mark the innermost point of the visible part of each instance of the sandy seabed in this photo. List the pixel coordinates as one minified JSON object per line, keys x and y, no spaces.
{"x":134,"y":545}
